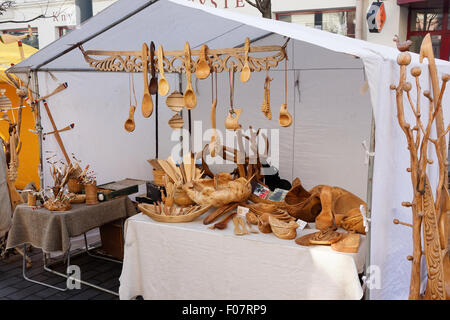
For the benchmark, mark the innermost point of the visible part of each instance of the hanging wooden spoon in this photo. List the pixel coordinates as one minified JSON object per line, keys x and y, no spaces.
{"x":285,"y":118}
{"x":190,"y":100}
{"x":129,"y":123}
{"x":163,"y":85}
{"x":147,"y":102}
{"x":153,"y":88}
{"x":232,"y":120}
{"x":203,"y":70}
{"x":245,"y":73}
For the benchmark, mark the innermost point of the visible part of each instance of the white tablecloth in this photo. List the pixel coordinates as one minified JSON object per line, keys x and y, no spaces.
{"x":190,"y":261}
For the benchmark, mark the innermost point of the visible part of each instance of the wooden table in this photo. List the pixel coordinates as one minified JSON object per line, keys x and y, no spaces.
{"x":51,"y":231}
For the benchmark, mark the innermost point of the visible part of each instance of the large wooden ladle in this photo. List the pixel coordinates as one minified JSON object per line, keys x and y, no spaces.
{"x":163,"y":85}
{"x":147,"y":102}
{"x":190,"y":100}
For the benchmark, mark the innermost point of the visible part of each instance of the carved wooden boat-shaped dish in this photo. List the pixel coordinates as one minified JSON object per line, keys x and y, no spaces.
{"x":151,"y":211}
{"x":255,"y":199}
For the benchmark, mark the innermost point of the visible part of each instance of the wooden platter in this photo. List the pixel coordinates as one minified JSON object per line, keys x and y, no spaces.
{"x":150,"y":210}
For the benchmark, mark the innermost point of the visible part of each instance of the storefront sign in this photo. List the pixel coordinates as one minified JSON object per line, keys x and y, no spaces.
{"x":376,"y":16}
{"x":223,"y":4}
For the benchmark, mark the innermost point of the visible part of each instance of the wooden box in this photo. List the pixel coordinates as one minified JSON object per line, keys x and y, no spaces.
{"x":119,"y":188}
{"x":112,"y":239}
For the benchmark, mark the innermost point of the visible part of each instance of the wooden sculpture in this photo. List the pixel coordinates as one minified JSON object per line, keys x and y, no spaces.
{"x":12,"y":148}
{"x":248,"y":166}
{"x":327,"y":206}
{"x":219,"y":191}
{"x":265,"y":107}
{"x":429,"y":213}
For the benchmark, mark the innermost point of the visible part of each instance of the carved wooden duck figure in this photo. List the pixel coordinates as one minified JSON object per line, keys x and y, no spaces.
{"x":232,"y":120}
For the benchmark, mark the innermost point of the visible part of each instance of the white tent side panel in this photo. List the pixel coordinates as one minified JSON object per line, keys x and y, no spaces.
{"x":390,"y":243}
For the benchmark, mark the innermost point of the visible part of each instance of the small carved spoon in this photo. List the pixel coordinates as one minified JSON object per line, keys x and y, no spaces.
{"x":129,"y":124}
{"x":222,"y":224}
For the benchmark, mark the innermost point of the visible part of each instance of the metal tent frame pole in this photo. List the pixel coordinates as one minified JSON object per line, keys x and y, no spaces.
{"x":369,"y":204}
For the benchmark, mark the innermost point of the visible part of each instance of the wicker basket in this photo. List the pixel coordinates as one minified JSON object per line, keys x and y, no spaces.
{"x":54,"y":205}
{"x":31,"y":199}
{"x":149,"y":210}
{"x":74,"y":186}
{"x":158,"y":177}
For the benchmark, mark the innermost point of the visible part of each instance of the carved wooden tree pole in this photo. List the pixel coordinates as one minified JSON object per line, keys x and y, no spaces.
{"x":426,"y":212}
{"x":264,"y":6}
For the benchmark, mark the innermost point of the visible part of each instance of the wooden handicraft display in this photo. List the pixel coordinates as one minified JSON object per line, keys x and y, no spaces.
{"x":234,"y":59}
{"x":429,"y":213}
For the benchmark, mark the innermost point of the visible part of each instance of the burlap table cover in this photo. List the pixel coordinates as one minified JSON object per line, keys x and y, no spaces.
{"x":51,"y":231}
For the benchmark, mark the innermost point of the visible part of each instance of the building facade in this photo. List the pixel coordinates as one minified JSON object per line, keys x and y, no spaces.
{"x":409,"y":19}
{"x":59,"y":18}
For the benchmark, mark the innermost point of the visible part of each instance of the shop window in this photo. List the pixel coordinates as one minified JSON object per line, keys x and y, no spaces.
{"x":435,"y":40}
{"x":64,"y":30}
{"x":434,"y":20}
{"x":340,"y":21}
{"x":34,"y":41}
{"x":426,"y":19}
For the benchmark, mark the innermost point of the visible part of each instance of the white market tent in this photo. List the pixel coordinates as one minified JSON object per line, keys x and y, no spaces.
{"x":331,"y":116}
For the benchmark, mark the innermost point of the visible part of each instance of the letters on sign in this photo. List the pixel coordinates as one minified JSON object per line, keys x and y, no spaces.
{"x":376,"y":16}
{"x":224,"y":4}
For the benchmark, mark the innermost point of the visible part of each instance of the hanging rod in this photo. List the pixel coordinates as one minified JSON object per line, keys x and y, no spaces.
{"x":174,"y":61}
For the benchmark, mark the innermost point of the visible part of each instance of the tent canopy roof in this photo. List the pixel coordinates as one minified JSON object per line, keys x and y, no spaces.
{"x":171,"y":22}
{"x":9,"y":53}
